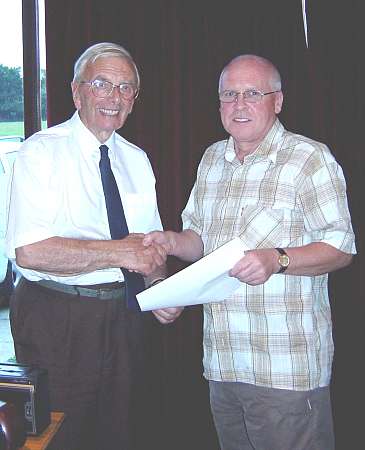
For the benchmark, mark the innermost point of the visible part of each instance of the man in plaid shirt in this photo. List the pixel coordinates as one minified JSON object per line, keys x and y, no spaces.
{"x":268,"y":347}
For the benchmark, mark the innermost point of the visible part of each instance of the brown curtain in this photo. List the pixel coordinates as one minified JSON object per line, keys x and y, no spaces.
{"x":337,"y":39}
{"x":180,"y":48}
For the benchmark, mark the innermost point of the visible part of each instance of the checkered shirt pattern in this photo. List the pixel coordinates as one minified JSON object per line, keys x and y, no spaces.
{"x":288,"y":193}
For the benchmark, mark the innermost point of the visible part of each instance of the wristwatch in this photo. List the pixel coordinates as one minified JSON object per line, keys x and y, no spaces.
{"x":283,"y":260}
{"x":154,"y":282}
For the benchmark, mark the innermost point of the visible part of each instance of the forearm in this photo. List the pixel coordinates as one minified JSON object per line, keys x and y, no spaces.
{"x":187,"y":245}
{"x":257,"y":266}
{"x":316,"y":259}
{"x":65,"y":256}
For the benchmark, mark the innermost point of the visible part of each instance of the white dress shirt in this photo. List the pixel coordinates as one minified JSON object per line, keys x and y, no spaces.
{"x":57,"y":191}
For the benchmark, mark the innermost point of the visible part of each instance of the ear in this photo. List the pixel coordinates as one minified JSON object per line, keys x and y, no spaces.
{"x":278,"y":101}
{"x":130,"y":107}
{"x":75,"y":94}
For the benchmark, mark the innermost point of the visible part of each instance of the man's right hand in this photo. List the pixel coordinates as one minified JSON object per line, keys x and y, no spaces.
{"x":161,"y":238}
{"x":186,"y":245}
{"x":138,"y":257}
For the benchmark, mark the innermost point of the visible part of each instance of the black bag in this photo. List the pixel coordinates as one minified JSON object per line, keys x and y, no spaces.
{"x":27,"y":387}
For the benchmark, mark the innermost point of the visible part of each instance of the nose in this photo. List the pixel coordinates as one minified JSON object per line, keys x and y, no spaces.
{"x":240,"y":100}
{"x":115,"y":93}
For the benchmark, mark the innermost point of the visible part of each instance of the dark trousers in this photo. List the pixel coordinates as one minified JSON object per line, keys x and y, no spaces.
{"x":94,"y":351}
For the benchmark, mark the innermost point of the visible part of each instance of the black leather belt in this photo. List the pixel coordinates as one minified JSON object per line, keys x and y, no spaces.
{"x":102,"y":292}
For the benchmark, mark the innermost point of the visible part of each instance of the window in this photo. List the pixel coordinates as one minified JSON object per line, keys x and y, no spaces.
{"x":22,"y":100}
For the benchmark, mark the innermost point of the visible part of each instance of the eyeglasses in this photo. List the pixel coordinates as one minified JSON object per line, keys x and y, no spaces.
{"x":249,"y":96}
{"x":103,"y":88}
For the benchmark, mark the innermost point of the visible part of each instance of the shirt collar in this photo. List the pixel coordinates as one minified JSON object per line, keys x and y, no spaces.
{"x":88,"y":143}
{"x":267,"y":149}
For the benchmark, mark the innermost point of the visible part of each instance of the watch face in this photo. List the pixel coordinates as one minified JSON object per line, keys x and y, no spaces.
{"x":284,"y":260}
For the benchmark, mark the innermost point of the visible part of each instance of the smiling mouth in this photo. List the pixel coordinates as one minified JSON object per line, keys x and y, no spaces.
{"x":241,"y":119}
{"x":109,"y":112}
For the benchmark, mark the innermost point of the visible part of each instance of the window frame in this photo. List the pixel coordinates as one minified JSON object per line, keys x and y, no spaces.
{"x":31,"y":67}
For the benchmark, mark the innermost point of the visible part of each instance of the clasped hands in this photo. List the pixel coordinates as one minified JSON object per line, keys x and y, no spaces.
{"x":140,"y":257}
{"x":147,"y":256}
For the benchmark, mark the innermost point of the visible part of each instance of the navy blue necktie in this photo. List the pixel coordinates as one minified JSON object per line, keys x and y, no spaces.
{"x":118,"y":225}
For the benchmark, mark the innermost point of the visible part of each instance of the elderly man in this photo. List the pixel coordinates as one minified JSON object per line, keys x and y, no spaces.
{"x":76,"y":186}
{"x":268,"y":347}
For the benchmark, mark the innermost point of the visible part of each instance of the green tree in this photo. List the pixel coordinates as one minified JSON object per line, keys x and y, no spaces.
{"x":43,"y":95}
{"x":11,"y":94}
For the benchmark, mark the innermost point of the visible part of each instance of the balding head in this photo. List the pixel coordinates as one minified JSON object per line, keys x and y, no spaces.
{"x":245,"y":61}
{"x":247,"y":117}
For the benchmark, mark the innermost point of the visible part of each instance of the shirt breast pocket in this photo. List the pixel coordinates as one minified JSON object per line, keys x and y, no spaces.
{"x":263,"y":226}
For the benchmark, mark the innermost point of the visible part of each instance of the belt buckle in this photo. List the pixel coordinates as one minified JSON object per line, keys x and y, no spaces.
{"x":100,"y":293}
{"x":91,"y":292}
{"x":108,"y":294}
{"x":77,"y":289}
{"x":103,"y":294}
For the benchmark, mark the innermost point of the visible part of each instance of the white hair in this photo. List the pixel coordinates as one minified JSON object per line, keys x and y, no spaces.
{"x":103,"y":49}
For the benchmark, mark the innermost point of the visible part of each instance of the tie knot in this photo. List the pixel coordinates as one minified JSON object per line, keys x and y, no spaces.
{"x":104,"y":151}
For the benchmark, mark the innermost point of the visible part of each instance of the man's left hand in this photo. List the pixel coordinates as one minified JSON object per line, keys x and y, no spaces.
{"x":256,"y":266}
{"x":167,"y":315}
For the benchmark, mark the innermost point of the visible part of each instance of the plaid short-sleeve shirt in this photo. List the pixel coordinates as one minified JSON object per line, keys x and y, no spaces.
{"x":288,"y":193}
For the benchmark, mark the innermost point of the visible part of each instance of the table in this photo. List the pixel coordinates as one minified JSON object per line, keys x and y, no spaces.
{"x":42,"y":441}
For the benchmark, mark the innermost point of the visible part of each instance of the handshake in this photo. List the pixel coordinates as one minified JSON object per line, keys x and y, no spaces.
{"x":144,"y":253}
{"x":147,"y":254}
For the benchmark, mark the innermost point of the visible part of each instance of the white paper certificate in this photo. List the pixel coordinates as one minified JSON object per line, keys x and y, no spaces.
{"x":205,"y":281}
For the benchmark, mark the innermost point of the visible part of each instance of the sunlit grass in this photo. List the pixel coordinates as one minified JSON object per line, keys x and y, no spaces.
{"x":14,"y":128}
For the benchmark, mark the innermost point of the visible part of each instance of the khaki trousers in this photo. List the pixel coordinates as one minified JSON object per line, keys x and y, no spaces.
{"x":249,"y":417}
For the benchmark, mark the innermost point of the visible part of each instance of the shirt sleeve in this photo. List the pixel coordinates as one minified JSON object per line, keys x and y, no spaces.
{"x":190,"y":215}
{"x":33,"y":200}
{"x":324,"y":202}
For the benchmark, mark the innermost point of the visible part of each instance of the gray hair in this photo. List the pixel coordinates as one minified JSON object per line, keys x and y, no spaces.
{"x":275,"y":78}
{"x":103,"y":49}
